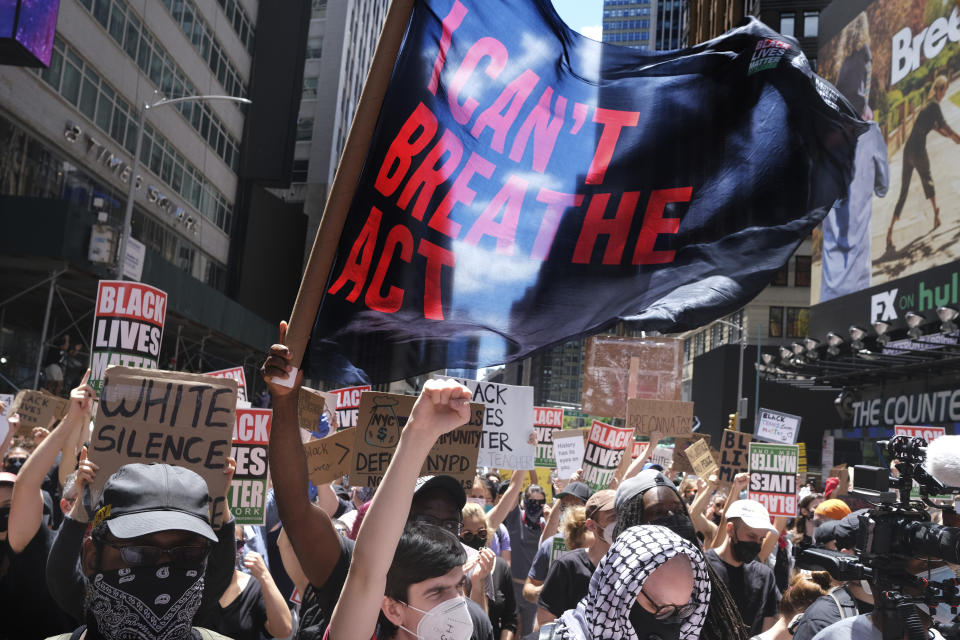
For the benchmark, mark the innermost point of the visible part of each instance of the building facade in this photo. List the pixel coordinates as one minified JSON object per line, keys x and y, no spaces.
{"x":67,"y":136}
{"x":649,"y":24}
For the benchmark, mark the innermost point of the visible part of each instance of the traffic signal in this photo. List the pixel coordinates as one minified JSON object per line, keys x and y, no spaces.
{"x":732,"y":421}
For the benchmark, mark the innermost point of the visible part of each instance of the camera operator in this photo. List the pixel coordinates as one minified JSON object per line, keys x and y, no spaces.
{"x":847,"y":599}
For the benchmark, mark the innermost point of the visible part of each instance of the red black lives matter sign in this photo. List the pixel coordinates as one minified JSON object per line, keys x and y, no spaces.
{"x":525,"y":185}
{"x":127,"y":327}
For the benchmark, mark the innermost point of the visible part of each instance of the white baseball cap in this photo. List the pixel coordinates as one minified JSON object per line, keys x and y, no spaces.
{"x":753,"y":514}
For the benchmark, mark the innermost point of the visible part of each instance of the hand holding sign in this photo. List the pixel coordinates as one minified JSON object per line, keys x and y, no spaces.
{"x":278,"y":366}
{"x":81,"y":400}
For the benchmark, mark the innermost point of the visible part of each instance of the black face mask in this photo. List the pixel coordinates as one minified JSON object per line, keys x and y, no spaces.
{"x":533,"y":510}
{"x":744,"y":551}
{"x":12,"y":465}
{"x":647,"y":627}
{"x":474,"y":540}
{"x":680,"y":525}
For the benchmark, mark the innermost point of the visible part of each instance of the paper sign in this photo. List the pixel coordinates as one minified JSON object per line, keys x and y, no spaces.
{"x":568,"y":450}
{"x":311,"y":406}
{"x":7,"y":400}
{"x":184,"y":419}
{"x":348,"y":404}
{"x":773,"y":426}
{"x":248,"y":491}
{"x":127,"y":327}
{"x":701,"y":459}
{"x":734,"y":454}
{"x":558,"y":548}
{"x":669,"y":417}
{"x":507,"y":424}
{"x":662,"y":455}
{"x":929,"y":434}
{"x":605,"y":448}
{"x":330,"y":458}
{"x":237,"y":374}
{"x":773,"y":477}
{"x":37,"y":409}
{"x":382,"y":417}
{"x":639,"y":449}
{"x":546,"y":421}
{"x":680,"y":462}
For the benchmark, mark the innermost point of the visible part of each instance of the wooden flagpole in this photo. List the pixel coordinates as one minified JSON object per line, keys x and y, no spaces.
{"x":345,"y":180}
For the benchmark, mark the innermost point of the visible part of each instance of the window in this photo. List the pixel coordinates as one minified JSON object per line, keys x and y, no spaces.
{"x":802,"y":276}
{"x":310,"y":88}
{"x":314,"y":47}
{"x":686,"y":350}
{"x":780,"y":277}
{"x":811,"y":22}
{"x":300,"y":168}
{"x":776,"y":322}
{"x":798,"y":322}
{"x":699,"y":343}
{"x":319,"y":9}
{"x":305,"y":128}
{"x":787,"y":26}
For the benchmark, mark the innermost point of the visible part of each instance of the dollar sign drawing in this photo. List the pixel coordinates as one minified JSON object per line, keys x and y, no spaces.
{"x":383,"y":428}
{"x":382,"y":433}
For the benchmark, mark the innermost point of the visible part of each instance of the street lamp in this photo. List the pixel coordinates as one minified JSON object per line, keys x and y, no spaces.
{"x":135,"y":166}
{"x":742,"y":328}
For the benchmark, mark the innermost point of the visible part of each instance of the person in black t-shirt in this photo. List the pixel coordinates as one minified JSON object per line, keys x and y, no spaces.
{"x":751,"y":583}
{"x":915,"y":155}
{"x":569,"y":578}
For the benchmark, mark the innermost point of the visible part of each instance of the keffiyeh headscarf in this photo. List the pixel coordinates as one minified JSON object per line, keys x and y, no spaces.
{"x":604,"y":614}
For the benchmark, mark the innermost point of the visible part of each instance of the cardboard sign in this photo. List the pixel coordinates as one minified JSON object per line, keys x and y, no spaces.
{"x":330,"y":458}
{"x":348,"y":405}
{"x":7,"y":401}
{"x":507,"y":424}
{"x":663,"y":456}
{"x":546,"y":421}
{"x":127,"y":327}
{"x":248,"y":491}
{"x":773,"y":477}
{"x":311,"y":406}
{"x":568,"y":449}
{"x":929,"y":434}
{"x":835,"y":471}
{"x":605,"y":448}
{"x":701,"y":459}
{"x":37,"y":409}
{"x":670,"y":417}
{"x":734,"y":452}
{"x":618,"y":368}
{"x":680,"y":462}
{"x":774,"y":426}
{"x":237,"y":374}
{"x":184,"y":419}
{"x":382,"y":418}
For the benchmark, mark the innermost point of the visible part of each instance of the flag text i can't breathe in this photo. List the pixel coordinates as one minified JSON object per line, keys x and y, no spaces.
{"x":527,"y":185}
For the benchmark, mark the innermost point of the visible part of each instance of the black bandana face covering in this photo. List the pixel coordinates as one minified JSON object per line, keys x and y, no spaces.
{"x":647,"y":627}
{"x":680,"y":525}
{"x":145,"y":602}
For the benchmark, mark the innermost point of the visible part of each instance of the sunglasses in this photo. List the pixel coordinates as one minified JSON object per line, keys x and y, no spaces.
{"x":454,"y":526}
{"x":671,"y":611}
{"x":470,"y":536}
{"x":146,"y":556}
{"x":538,"y":501}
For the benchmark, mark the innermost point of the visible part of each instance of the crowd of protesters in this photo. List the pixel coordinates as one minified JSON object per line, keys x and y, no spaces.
{"x":658,"y":554}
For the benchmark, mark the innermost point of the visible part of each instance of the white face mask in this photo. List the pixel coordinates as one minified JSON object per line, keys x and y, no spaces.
{"x":449,"y":620}
{"x":608,"y":532}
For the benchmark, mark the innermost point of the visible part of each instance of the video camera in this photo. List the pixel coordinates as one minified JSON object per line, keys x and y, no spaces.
{"x":896,"y":530}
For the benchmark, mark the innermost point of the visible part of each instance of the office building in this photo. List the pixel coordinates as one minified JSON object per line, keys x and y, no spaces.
{"x":650,"y":24}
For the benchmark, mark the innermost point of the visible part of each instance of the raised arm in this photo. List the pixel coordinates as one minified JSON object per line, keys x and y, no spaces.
{"x":311,"y":532}
{"x":508,"y":501}
{"x":740,"y":482}
{"x":637,"y":465}
{"x":442,"y":406}
{"x":26,"y":509}
{"x":705,"y":491}
{"x":279,"y":623}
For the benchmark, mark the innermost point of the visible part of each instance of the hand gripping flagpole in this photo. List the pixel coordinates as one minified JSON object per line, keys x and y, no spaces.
{"x":344,"y":186}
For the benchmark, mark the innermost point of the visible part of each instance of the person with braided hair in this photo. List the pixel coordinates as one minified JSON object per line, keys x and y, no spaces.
{"x":651,"y":498}
{"x":651,"y":584}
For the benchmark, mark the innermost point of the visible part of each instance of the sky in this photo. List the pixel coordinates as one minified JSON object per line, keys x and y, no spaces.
{"x":584,"y":16}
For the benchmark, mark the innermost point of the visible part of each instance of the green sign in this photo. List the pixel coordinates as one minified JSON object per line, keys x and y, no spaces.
{"x":773,"y":477}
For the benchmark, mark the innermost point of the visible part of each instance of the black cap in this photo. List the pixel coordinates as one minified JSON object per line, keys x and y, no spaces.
{"x":140,"y":499}
{"x":447,"y":483}
{"x":577,"y":490}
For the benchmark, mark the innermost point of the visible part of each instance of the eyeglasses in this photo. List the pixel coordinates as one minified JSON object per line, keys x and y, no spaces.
{"x":454,"y":526}
{"x":144,"y":556}
{"x":539,"y":501}
{"x":470,"y":536}
{"x":668,"y":611}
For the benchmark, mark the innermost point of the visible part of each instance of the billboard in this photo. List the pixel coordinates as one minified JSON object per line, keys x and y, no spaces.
{"x":26,"y":31}
{"x":898,"y":63}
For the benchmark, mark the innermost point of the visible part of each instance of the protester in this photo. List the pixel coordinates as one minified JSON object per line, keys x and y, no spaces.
{"x":751,"y":583}
{"x":805,"y":526}
{"x":568,"y":580}
{"x":705,"y":519}
{"x":323,"y":555}
{"x":652,"y":583}
{"x":14,"y":459}
{"x":802,"y":592}
{"x":832,"y":509}
{"x":650,"y":498}
{"x":688,"y":489}
{"x":500,"y":604}
{"x":409,"y":576}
